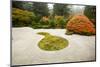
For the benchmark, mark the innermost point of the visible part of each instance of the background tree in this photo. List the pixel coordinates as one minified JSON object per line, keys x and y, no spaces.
{"x":40,"y":9}
{"x":28,"y":6}
{"x":61,"y":9}
{"x":17,"y":4}
{"x":23,"y":5}
{"x":90,"y":12}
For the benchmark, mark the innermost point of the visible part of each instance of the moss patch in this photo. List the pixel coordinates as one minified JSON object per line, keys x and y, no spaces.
{"x":43,"y":33}
{"x":52,"y":43}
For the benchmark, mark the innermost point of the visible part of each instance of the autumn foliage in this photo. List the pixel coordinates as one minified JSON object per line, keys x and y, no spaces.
{"x":80,"y":24}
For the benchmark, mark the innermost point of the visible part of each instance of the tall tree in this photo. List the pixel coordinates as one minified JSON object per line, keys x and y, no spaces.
{"x":17,"y":4}
{"x":90,"y":12}
{"x":23,"y":5}
{"x":61,"y":9}
{"x":40,"y":9}
{"x":28,"y":5}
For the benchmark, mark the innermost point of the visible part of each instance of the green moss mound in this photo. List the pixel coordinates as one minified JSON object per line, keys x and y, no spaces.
{"x":43,"y":33}
{"x":52,"y":43}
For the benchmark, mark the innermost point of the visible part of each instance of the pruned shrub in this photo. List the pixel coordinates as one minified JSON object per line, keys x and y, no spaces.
{"x":80,"y":24}
{"x":22,"y":18}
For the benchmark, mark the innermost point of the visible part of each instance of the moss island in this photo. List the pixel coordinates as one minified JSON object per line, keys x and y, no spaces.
{"x":52,"y":43}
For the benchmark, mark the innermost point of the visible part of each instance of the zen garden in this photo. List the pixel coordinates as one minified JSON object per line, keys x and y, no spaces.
{"x":49,"y":29}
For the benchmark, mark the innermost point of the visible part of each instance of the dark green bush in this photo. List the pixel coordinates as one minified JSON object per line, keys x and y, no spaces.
{"x":52,"y":23}
{"x":60,"y":21}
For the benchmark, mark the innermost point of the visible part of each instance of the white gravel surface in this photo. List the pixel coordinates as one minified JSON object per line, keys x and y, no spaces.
{"x":25,"y":48}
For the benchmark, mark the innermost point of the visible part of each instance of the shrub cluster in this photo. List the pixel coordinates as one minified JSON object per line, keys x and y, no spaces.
{"x":53,"y":22}
{"x":21,"y":18}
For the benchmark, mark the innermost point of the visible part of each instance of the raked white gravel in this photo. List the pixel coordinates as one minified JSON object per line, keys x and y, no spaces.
{"x":25,"y":48}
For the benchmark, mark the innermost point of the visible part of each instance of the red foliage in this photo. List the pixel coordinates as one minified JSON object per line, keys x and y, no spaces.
{"x":80,"y":24}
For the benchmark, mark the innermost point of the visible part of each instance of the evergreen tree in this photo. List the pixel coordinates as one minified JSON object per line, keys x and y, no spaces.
{"x":23,"y":5}
{"x":90,"y":12}
{"x":61,"y":9}
{"x":17,"y":4}
{"x":40,"y":9}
